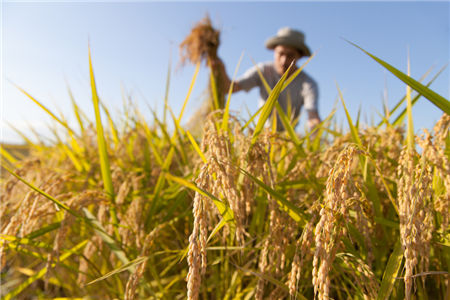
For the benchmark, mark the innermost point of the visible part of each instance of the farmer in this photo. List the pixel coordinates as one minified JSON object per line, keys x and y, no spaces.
{"x":288,"y":46}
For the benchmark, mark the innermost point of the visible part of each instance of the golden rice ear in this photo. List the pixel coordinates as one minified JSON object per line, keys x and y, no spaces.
{"x":201,"y":43}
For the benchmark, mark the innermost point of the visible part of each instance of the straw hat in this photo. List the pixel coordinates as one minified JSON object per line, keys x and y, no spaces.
{"x":289,"y":37}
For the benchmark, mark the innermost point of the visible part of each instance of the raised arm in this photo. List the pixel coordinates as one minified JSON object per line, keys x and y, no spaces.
{"x":313,"y":119}
{"x":220,"y":71}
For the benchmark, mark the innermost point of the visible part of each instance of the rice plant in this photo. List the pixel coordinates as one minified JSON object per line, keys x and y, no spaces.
{"x":133,"y":210}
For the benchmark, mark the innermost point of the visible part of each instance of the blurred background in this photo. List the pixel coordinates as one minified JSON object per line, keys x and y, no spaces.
{"x":44,"y":50}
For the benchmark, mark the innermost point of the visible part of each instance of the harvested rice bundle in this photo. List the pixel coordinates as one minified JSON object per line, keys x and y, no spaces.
{"x":201,"y":46}
{"x":201,"y":43}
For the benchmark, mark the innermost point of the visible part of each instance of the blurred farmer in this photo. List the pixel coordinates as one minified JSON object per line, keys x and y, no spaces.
{"x":288,"y":46}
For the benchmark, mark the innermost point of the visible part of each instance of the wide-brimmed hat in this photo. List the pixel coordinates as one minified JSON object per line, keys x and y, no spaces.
{"x":287,"y":36}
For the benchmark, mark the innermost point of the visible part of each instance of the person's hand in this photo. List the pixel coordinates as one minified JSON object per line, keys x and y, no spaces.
{"x":217,"y":66}
{"x":313,"y":119}
{"x":219,"y":71}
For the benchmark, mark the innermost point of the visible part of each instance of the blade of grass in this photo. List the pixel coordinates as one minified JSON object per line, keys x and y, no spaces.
{"x":432,"y":96}
{"x":161,"y":179}
{"x":230,"y":91}
{"x":295,"y":74}
{"x":269,"y":279}
{"x":89,"y":219}
{"x":353,"y":130}
{"x":13,"y":240}
{"x":373,"y":193}
{"x":250,"y":120}
{"x":410,"y":135}
{"x":390,"y":273}
{"x":166,"y":94}
{"x":76,"y":110}
{"x":224,"y":210}
{"x":268,"y":106}
{"x":112,"y":126}
{"x":112,"y":244}
{"x":22,"y":135}
{"x":43,"y":230}
{"x":196,"y":147}
{"x":7,"y":155}
{"x":399,"y":119}
{"x":290,"y":130}
{"x":42,"y":272}
{"x":268,"y":90}
{"x":194,"y":78}
{"x":64,"y":124}
{"x":54,"y":200}
{"x":150,"y":138}
{"x":179,"y":136}
{"x":102,"y":149}
{"x":214,"y":92}
{"x":124,"y":267}
{"x":293,"y":211}
{"x":75,"y":161}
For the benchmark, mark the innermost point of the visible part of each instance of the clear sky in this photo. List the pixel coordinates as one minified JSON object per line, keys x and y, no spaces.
{"x":45,"y":49}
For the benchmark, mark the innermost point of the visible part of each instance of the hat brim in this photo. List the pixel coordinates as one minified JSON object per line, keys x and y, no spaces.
{"x":284,"y":41}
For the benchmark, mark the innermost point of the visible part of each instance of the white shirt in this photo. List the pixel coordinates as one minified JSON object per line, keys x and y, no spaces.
{"x":302,"y":91}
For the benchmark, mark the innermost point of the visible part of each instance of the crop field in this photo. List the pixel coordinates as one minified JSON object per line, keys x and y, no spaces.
{"x":124,"y":209}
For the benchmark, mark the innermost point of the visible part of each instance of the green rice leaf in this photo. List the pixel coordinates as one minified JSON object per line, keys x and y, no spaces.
{"x":179,"y":136}
{"x":125,"y":267}
{"x":22,"y":135}
{"x":213,"y":87}
{"x":270,"y":279}
{"x":76,"y":110}
{"x":7,"y":155}
{"x":230,"y":91}
{"x":268,"y":106}
{"x":166,"y":94}
{"x":432,"y":96}
{"x":112,"y":126}
{"x":102,"y":149}
{"x":250,"y":120}
{"x":293,"y":211}
{"x":191,"y":87}
{"x":42,"y":272}
{"x":410,"y":135}
{"x":75,"y":161}
{"x":150,"y":138}
{"x":263,"y":80}
{"x":63,"y":123}
{"x":295,"y":74}
{"x":26,"y":251}
{"x":43,"y":230}
{"x":390,"y":273}
{"x":98,"y":228}
{"x":224,"y":210}
{"x":54,"y":200}
{"x":13,"y":240}
{"x":400,"y":117}
{"x":352,"y":127}
{"x":196,"y":147}
{"x":290,"y":130}
{"x":216,"y":229}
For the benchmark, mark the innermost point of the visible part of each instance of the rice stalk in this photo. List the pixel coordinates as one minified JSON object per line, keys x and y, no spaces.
{"x":333,"y":213}
{"x":416,"y":225}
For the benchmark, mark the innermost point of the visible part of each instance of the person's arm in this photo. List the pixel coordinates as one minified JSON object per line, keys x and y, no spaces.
{"x":310,"y":93}
{"x":313,"y":119}
{"x":219,"y":69}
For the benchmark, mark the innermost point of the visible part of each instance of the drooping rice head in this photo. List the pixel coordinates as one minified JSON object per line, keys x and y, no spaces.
{"x":201,"y":43}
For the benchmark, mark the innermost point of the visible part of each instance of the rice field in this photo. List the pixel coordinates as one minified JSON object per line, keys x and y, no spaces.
{"x":124,"y":209}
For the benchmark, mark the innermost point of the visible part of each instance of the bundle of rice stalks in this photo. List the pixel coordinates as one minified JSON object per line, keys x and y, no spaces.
{"x":201,"y":43}
{"x":201,"y":46}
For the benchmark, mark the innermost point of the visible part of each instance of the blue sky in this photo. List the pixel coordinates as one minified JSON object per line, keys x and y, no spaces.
{"x":45,"y":49}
